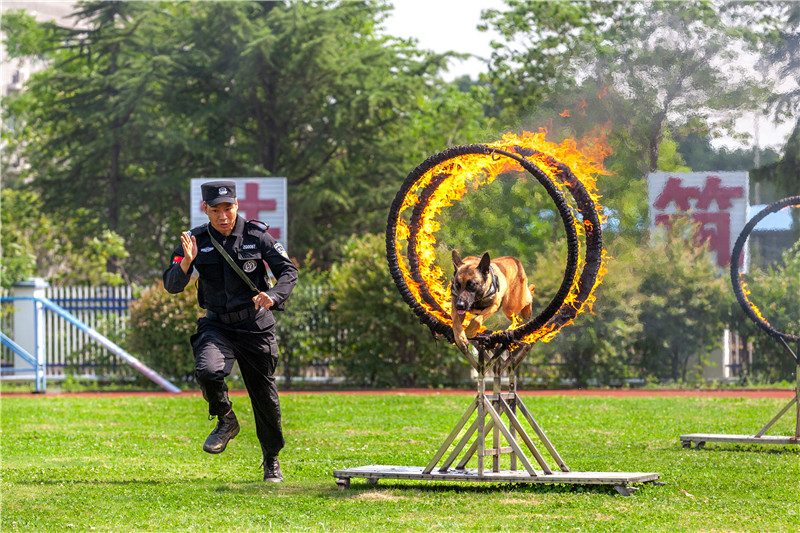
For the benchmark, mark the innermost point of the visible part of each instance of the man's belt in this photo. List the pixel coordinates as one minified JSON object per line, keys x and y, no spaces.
{"x":236,"y":316}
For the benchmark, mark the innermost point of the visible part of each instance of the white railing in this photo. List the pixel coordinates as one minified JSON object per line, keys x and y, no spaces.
{"x":72,"y":350}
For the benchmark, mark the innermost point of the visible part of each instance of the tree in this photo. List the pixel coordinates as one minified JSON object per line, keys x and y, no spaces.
{"x":599,"y":346}
{"x":773,"y":290}
{"x":93,"y":129}
{"x":141,"y":97}
{"x":543,"y":47}
{"x":699,"y":155}
{"x":385,"y":344}
{"x":160,"y":328}
{"x":650,"y":60}
{"x":35,"y":245}
{"x":684,"y":302}
{"x":307,"y":330}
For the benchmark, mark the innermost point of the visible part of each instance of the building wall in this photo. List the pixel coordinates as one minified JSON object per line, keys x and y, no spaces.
{"x":14,"y":72}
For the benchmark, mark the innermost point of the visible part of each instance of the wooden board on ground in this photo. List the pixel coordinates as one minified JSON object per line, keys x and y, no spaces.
{"x":622,"y":481}
{"x":699,"y":439}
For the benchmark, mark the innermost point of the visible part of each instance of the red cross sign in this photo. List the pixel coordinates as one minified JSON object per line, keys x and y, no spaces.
{"x":261,"y":199}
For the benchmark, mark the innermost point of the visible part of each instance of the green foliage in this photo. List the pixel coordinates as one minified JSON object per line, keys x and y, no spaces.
{"x":598,"y":347}
{"x":18,"y":217}
{"x":773,"y":290}
{"x":307,"y":330}
{"x":543,"y":47}
{"x":160,"y":327}
{"x":59,"y":250}
{"x":140,"y":97}
{"x":384,"y":344}
{"x":669,"y":160}
{"x":511,"y":216}
{"x":697,"y":152}
{"x":684,"y":301}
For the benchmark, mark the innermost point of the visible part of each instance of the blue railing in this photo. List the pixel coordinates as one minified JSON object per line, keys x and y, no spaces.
{"x":104,"y":341}
{"x":39,"y":369}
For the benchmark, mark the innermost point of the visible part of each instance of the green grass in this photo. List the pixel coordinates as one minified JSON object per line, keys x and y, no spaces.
{"x":135,"y":463}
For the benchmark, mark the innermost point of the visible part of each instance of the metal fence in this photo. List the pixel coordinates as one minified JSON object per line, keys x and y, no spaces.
{"x":69,"y":350}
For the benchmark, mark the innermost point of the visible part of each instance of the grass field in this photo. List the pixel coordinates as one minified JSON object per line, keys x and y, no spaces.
{"x":135,"y":463}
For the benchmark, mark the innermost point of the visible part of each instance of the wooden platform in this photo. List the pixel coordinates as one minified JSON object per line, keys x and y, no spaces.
{"x":700,"y":439}
{"x":622,"y":481}
{"x":496,"y":430}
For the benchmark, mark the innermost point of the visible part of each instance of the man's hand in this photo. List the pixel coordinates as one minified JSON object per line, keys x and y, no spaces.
{"x":189,"y":251}
{"x":262,"y":300}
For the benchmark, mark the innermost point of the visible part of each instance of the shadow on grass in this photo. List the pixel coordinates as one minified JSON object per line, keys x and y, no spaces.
{"x":776,"y":449}
{"x":358,"y":489}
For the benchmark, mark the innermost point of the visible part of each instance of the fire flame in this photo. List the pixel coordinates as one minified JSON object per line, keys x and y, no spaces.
{"x":471,"y":171}
{"x":756,"y":310}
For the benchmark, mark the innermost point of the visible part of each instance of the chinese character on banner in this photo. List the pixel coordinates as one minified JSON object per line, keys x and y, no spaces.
{"x":717,"y":201}
{"x":261,"y":199}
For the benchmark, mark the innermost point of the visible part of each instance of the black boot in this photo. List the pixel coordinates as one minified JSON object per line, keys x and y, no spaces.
{"x":227,"y":428}
{"x":272,"y":469}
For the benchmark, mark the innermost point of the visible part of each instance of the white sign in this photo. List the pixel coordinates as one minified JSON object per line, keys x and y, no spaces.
{"x":261,"y":199}
{"x":717,"y":201}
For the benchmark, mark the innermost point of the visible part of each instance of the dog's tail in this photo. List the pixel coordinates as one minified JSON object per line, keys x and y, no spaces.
{"x":531,"y":288}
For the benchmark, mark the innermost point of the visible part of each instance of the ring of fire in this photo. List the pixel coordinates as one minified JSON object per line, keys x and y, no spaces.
{"x":739,"y":288}
{"x":443,"y":179}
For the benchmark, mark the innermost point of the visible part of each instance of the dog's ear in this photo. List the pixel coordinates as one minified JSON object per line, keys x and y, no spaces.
{"x":457,"y":262}
{"x":483,"y":266}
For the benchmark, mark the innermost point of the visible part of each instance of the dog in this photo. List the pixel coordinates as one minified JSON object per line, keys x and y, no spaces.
{"x":484,"y":286}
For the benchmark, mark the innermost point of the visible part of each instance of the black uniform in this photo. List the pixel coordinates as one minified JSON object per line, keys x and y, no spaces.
{"x":232,"y":329}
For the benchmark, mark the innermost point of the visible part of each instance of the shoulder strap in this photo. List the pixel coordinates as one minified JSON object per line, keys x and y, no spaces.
{"x":232,"y":263}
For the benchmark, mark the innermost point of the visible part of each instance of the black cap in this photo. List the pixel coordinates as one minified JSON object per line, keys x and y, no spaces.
{"x":218,"y":192}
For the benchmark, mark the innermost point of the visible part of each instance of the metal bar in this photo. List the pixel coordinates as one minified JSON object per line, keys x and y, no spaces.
{"x":459,"y":446}
{"x":499,"y":451}
{"x":473,"y":448}
{"x":514,"y":422}
{"x":506,"y":395}
{"x":39,"y":378}
{"x":497,"y":353}
{"x":512,"y":389}
{"x":496,"y":432}
{"x":797,"y":397}
{"x":785,"y":345}
{"x":522,"y":353}
{"x":451,"y":437}
{"x":481,"y":440}
{"x":471,"y":360}
{"x":540,"y":433}
{"x":514,"y":444}
{"x":775,"y":419}
{"x":91,"y":332}
{"x":39,"y":369}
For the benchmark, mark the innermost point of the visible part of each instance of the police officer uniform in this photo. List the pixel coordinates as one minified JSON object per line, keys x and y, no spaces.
{"x":233,"y":330}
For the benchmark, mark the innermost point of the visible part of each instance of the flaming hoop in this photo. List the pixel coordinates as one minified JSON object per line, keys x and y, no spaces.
{"x":750,"y":309}
{"x":739,"y":288}
{"x":438,"y":182}
{"x":444,"y":178}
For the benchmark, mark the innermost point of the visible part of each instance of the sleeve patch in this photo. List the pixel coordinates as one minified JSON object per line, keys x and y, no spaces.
{"x":177,"y":259}
{"x":281,"y":250}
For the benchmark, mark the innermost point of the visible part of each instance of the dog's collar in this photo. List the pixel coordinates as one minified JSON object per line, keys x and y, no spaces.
{"x":486,"y":300}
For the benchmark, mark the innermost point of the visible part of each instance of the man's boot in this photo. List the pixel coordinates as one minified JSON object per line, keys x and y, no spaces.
{"x":227,"y":428}
{"x":272,"y":469}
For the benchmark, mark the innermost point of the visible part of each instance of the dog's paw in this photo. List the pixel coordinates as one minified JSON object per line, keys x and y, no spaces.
{"x":462,"y":343}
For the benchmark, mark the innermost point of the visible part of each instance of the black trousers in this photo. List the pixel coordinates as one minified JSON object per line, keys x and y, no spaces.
{"x":252,"y":344}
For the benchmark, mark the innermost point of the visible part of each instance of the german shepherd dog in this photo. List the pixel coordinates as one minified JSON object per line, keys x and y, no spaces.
{"x":484,"y":286}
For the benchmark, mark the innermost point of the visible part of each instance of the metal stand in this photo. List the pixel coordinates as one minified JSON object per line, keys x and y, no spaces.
{"x":700,"y":439}
{"x":493,"y":406}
